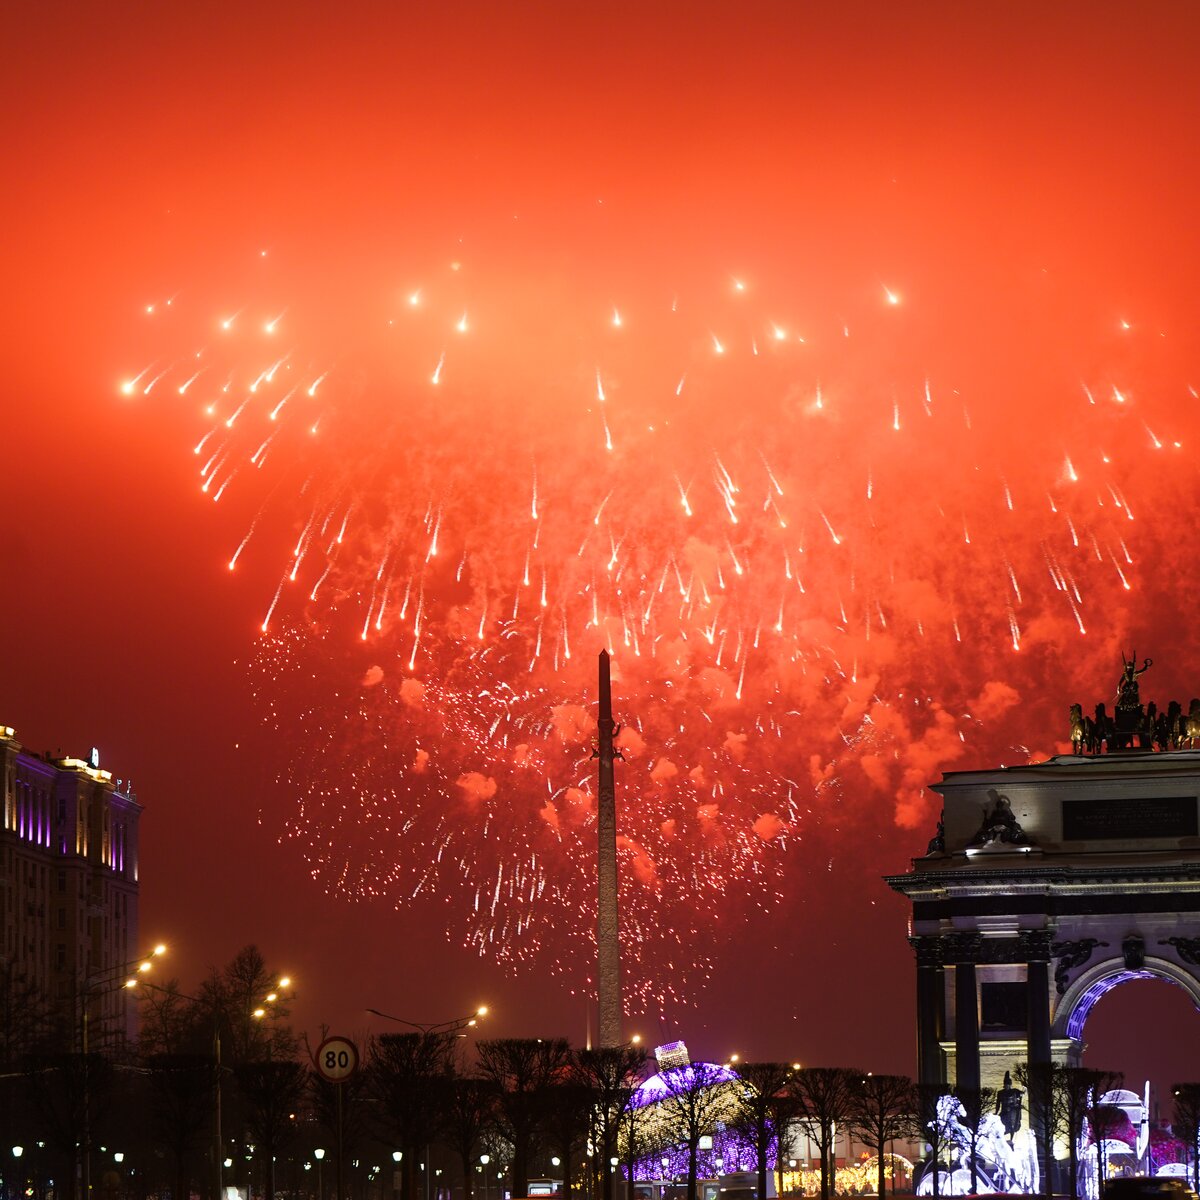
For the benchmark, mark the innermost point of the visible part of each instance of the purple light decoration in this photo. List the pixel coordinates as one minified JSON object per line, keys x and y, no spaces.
{"x":678,"y":1079}
{"x":735,"y":1152}
{"x":1100,"y":988}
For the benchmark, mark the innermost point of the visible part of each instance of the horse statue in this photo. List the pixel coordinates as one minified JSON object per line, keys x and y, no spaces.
{"x":1191,"y":726}
{"x":1082,"y":733}
{"x":1174,"y":725}
{"x":999,"y":1167}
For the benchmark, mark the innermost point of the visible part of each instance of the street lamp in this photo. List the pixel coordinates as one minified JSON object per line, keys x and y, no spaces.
{"x":456,"y":1025}
{"x":103,"y":983}
{"x":17,"y":1151}
{"x":319,"y":1155}
{"x":220,"y":1160}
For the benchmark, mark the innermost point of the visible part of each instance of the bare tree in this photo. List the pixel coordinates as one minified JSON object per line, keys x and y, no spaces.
{"x":697,"y":1097}
{"x":610,"y":1073}
{"x":231,"y":1002}
{"x":568,"y":1107}
{"x":932,"y":1129}
{"x":976,"y":1103}
{"x":69,"y":1096}
{"x":823,"y":1101}
{"x":25,"y":1023}
{"x":181,"y":1086}
{"x":271,"y":1092}
{"x":1041,"y":1084}
{"x":358,"y":1112}
{"x":405,"y":1072}
{"x":1186,"y":1123}
{"x":467,"y":1113}
{"x":1106,"y":1120}
{"x":762,"y":1088}
{"x":881,"y":1110}
{"x":522,"y":1069}
{"x":1076,"y":1089}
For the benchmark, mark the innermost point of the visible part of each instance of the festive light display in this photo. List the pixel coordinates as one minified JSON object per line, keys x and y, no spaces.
{"x":829,"y":554}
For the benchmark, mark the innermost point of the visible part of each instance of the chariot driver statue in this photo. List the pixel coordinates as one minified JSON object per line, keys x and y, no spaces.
{"x":1127,"y":688}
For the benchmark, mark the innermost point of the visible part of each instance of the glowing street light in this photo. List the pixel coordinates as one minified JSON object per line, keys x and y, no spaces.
{"x":102,"y":983}
{"x":456,"y":1025}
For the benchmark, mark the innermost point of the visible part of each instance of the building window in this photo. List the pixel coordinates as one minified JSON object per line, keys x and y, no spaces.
{"x":1003,"y":1006}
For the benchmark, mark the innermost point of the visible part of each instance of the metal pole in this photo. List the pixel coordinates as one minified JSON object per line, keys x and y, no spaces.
{"x":218,"y":1145}
{"x":338,"y":1165}
{"x":86,"y":1171}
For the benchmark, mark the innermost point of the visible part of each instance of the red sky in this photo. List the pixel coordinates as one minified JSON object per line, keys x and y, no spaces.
{"x":961,"y":154}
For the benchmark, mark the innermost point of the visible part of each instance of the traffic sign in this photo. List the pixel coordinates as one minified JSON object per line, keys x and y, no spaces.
{"x":337,"y":1059}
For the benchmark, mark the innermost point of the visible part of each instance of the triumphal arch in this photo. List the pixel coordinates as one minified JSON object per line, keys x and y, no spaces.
{"x":1049,"y":884}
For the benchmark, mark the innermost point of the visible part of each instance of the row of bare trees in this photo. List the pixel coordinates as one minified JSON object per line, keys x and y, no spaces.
{"x":156,"y":1100}
{"x":879,"y":1109}
{"x":525,"y":1107}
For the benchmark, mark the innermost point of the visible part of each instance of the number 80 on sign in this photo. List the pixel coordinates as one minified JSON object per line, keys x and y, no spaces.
{"x":337,"y":1059}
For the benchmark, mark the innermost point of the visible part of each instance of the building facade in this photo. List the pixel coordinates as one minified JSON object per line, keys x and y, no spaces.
{"x":1045,"y":886}
{"x":69,"y":885}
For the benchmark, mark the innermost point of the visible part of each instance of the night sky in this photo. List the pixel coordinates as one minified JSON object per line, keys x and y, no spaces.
{"x":863,"y":333}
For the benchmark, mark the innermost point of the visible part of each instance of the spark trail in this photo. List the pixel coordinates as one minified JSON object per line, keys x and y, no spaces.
{"x":812,"y":604}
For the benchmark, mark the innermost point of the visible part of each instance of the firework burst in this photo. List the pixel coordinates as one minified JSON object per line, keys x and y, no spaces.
{"x":821,"y":553}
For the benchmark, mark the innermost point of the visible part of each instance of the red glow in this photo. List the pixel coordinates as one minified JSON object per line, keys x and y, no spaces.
{"x":920,"y":288}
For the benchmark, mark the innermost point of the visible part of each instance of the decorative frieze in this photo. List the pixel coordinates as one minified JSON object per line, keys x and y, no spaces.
{"x":1187,"y":948}
{"x":1071,"y":955}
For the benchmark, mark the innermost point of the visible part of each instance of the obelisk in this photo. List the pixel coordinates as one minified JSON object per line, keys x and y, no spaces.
{"x":608,"y":947}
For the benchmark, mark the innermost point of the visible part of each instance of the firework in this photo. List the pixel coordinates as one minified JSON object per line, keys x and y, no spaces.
{"x":825,"y":562}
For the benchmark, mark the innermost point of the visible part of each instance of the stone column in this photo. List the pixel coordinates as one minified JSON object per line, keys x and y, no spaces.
{"x":931,"y":1005}
{"x":966,"y":1021}
{"x":1037,"y":950}
{"x":1038,"y":1033}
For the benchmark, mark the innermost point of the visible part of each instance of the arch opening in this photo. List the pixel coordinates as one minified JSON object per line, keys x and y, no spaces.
{"x":1087,"y":1001}
{"x":1150,"y":1032}
{"x":1083,"y":995}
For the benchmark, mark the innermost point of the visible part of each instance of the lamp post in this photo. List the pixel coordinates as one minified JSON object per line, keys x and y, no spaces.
{"x":484,"y":1159}
{"x":263,"y":1008}
{"x":456,"y":1026}
{"x":17,"y":1151}
{"x":102,"y":983}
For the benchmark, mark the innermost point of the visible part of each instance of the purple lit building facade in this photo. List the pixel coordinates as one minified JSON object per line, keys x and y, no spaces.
{"x":69,"y":884}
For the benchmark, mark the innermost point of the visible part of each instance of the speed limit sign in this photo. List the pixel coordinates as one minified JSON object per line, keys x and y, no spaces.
{"x":337,"y":1059}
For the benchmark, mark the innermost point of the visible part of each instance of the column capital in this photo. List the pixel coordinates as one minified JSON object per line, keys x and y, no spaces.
{"x":966,"y":948}
{"x":1035,"y":945}
{"x":928,"y":949}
